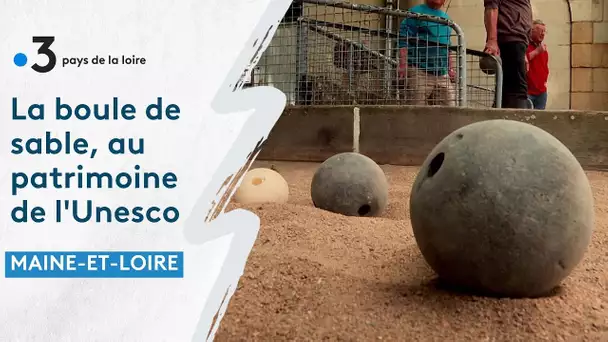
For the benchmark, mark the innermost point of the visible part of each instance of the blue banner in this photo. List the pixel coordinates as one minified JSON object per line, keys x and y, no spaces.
{"x":100,"y":264}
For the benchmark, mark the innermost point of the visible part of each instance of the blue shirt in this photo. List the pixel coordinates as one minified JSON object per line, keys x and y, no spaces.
{"x":432,"y":59}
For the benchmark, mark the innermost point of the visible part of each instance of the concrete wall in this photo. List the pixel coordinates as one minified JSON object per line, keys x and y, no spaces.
{"x":405,"y":135}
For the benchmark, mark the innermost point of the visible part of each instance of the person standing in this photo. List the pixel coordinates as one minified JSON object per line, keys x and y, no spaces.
{"x":508,"y":24}
{"x":538,"y":72}
{"x":425,"y":65}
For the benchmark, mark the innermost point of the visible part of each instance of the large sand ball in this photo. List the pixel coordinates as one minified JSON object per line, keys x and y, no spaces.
{"x":350,"y":184}
{"x":503,"y":208}
{"x":262,"y":185}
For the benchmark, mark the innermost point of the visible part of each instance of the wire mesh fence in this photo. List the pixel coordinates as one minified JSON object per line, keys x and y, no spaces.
{"x":484,"y":80}
{"x":336,"y":53}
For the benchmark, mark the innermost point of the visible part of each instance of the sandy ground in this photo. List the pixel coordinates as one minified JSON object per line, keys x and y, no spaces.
{"x":314,"y":275}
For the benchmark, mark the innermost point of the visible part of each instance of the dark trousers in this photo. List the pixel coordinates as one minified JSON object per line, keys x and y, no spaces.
{"x":515,"y":80}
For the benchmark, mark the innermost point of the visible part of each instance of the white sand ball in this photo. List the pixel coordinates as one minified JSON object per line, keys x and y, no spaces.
{"x":262,"y":185}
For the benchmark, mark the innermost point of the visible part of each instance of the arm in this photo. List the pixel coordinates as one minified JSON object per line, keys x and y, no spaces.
{"x":451,"y":70}
{"x":536,"y":52}
{"x":402,"y":59}
{"x":405,"y":31}
{"x":451,"y":56}
{"x":490,"y":19}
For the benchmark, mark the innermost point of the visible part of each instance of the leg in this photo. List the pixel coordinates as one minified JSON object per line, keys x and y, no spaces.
{"x":418,"y":87}
{"x":515,"y":83}
{"x":540,"y":102}
{"x":445,"y":92}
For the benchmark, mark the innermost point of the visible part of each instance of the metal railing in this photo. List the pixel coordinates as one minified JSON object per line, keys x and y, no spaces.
{"x":337,"y":53}
{"x":484,"y":82}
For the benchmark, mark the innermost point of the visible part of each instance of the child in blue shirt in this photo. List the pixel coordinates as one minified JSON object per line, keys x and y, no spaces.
{"x":425,"y":66}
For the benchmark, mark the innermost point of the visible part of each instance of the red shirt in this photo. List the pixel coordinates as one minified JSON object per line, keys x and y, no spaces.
{"x":538,"y":74}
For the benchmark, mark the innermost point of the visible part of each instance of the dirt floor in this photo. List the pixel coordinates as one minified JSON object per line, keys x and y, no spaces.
{"x":314,"y":275}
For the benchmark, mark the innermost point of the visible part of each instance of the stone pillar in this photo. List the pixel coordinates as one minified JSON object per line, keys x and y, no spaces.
{"x":589,"y":55}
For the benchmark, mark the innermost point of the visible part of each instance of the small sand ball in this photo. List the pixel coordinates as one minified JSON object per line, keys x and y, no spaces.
{"x":262,"y":185}
{"x":350,"y":184}
{"x":502,"y":208}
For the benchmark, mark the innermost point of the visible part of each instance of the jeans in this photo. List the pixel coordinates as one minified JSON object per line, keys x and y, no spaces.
{"x":515,"y":78}
{"x":539,"y":101}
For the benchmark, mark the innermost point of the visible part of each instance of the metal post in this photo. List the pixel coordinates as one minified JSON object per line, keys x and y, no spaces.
{"x":351,"y":67}
{"x":302,"y":59}
{"x":388,"y":68}
{"x":462,"y":67}
{"x":498,"y":89}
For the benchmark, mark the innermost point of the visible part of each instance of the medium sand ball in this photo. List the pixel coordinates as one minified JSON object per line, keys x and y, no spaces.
{"x":503,"y":208}
{"x":262,"y":185}
{"x":350,"y":184}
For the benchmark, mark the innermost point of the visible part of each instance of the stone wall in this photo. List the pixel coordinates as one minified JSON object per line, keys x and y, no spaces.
{"x":589,"y":54}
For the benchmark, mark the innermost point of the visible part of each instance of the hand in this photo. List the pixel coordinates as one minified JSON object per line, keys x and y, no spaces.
{"x":542,"y":47}
{"x":492,"y":47}
{"x":527,"y":64}
{"x":452,"y":74}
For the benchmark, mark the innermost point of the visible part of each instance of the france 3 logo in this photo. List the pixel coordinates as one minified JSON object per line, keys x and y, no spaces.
{"x":20,"y":58}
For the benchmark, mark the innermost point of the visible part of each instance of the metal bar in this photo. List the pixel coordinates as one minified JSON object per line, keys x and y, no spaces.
{"x":498,"y":92}
{"x":388,"y":48}
{"x":462,"y":66}
{"x":479,"y":87}
{"x":351,"y":70}
{"x":302,"y":61}
{"x":350,"y":42}
{"x":379,"y":10}
{"x":346,"y":27}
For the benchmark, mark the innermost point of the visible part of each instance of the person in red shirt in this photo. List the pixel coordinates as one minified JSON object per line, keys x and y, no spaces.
{"x":538,"y":66}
